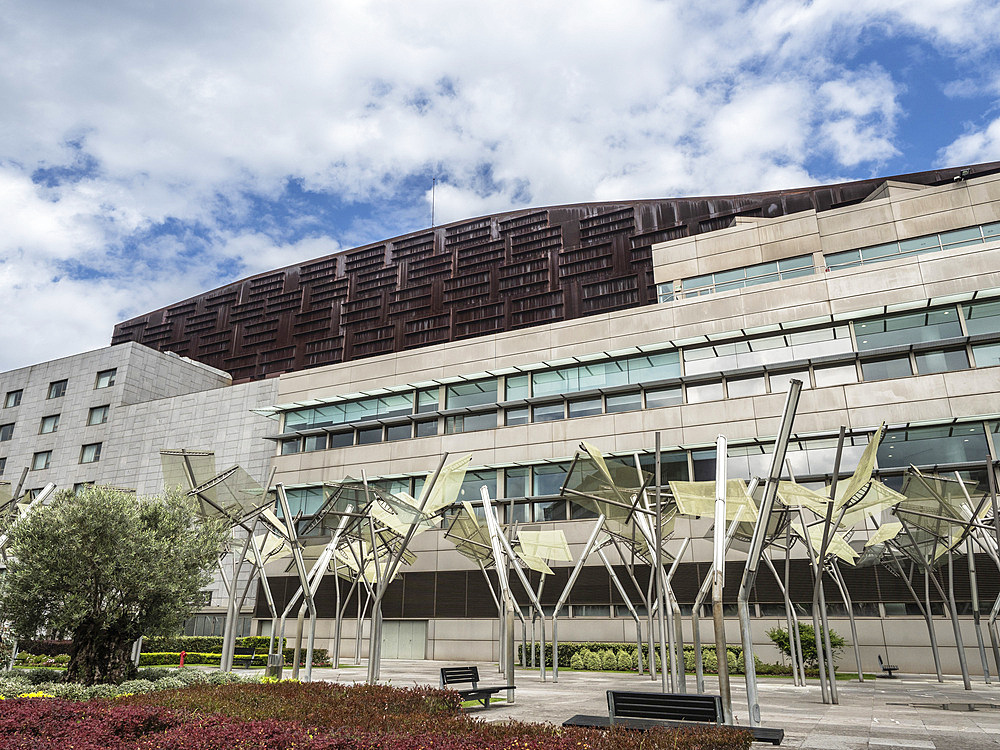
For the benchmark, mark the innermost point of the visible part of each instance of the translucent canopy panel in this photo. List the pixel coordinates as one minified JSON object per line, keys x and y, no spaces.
{"x":470,"y":537}
{"x":186,"y":469}
{"x":398,"y":512}
{"x":796,"y":496}
{"x":937,"y":506}
{"x":634,"y":541}
{"x":857,"y":483}
{"x":884,"y":533}
{"x":608,"y":487}
{"x":549,"y":545}
{"x":340,"y":499}
{"x":836,"y":544}
{"x":444,"y":491}
{"x":268,"y":545}
{"x":698,"y":499}
{"x":878,"y":498}
{"x":233,"y":495}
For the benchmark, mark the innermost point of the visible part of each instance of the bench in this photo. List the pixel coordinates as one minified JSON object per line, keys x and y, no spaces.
{"x":244,"y":654}
{"x":470,"y":675}
{"x":634,"y":710}
{"x":890,"y":668}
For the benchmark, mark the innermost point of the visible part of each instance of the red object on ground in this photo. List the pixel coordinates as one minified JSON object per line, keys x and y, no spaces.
{"x":183,"y":654}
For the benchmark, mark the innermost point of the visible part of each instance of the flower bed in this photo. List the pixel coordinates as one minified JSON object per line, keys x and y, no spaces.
{"x":311,"y":716}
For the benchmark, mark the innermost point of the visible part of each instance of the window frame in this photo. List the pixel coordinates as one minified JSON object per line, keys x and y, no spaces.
{"x":96,"y":453}
{"x":57,"y":389}
{"x":108,"y":376}
{"x":13,"y":396}
{"x":46,"y":456}
{"x":51,"y":419}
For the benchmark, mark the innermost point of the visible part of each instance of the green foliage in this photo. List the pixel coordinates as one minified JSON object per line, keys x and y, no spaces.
{"x":708,"y":660}
{"x":203,"y":644}
{"x":591,"y":660}
{"x":779,"y":636}
{"x":576,"y":662}
{"x":623,"y":661}
{"x":107,"y":567}
{"x":608,"y":660}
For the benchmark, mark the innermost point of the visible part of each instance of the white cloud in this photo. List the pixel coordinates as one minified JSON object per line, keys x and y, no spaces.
{"x":187,"y":115}
{"x":975,"y":146}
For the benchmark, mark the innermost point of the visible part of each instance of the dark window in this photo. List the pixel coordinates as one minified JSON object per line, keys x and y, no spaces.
{"x":6,"y":431}
{"x":90,"y":454}
{"x":315,"y":443}
{"x":368,"y":435}
{"x":106,"y":378}
{"x":517,"y":482}
{"x":883,"y":369}
{"x":13,"y":399}
{"x":470,"y":422}
{"x":548,"y":412}
{"x":585,"y":407}
{"x":926,"y":446}
{"x":57,"y":389}
{"x":398,"y":431}
{"x":3,"y":463}
{"x":548,"y":478}
{"x":98,"y":415}
{"x":519,"y":415}
{"x":427,"y":428}
{"x":552,"y":510}
{"x":291,"y":446}
{"x":341,"y":439}
{"x":943,"y":360}
{"x":907,"y":328}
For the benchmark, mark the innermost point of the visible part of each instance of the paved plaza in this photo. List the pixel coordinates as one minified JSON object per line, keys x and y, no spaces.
{"x":905,"y":713}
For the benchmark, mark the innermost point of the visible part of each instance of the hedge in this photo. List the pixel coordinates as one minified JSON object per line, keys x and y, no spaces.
{"x":171,"y":658}
{"x":202,"y":644}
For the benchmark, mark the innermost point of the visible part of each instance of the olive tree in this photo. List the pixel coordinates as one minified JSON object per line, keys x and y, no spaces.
{"x":106,"y":567}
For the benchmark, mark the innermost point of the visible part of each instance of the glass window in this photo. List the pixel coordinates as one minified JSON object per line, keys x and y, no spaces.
{"x":303,"y":501}
{"x":713,"y":358}
{"x":90,"y":454}
{"x":704,"y":464}
{"x":548,"y":412}
{"x":427,"y":400}
{"x":982,"y":317}
{"x":740,"y":387}
{"x":49,"y":424}
{"x":315,"y":443}
{"x":517,"y":386}
{"x":665,"y":292}
{"x":519,"y":415}
{"x":369,"y":435}
{"x":57,"y":389}
{"x":291,"y":446}
{"x":6,"y":431}
{"x":673,"y":465}
{"x":622,"y":402}
{"x":591,"y":610}
{"x":836,"y":375}
{"x":657,"y":397}
{"x":779,"y":380}
{"x":471,"y":394}
{"x":98,"y":415}
{"x":943,"y":360}
{"x":883,"y":369}
{"x":3,"y":464}
{"x":654,"y":367}
{"x":551,"y":382}
{"x":106,"y":378}
{"x":578,"y":511}
{"x":395,"y":405}
{"x":907,"y":328}
{"x":473,"y":483}
{"x":987,"y":355}
{"x":586,"y":407}
{"x":517,"y":482}
{"x":398,"y":431}
{"x":13,"y":399}
{"x":341,"y":439}
{"x":41,"y":460}
{"x":704,"y":392}
{"x":470,"y":422}
{"x":846,"y":259}
{"x":548,"y":478}
{"x":551,"y":510}
{"x":926,"y":446}
{"x":427,"y":428}
{"x":516,"y":512}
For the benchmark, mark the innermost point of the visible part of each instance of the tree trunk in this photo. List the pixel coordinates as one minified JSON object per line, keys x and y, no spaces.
{"x":100,"y":654}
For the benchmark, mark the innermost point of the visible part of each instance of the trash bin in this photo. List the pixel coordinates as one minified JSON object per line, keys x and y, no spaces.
{"x":275,"y":663}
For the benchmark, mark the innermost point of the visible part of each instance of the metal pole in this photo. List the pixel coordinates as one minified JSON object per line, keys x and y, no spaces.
{"x":565,"y":594}
{"x":790,"y":619}
{"x":838,"y":578}
{"x":631,"y":609}
{"x":718,"y":579}
{"x":974,"y":588}
{"x":300,"y":565}
{"x":820,"y":661}
{"x":757,"y":545}
{"x":660,"y":588}
{"x":955,"y":624}
{"x":925,"y":611}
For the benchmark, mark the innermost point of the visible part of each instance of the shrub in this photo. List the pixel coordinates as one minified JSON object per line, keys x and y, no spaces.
{"x":591,"y":660}
{"x":779,"y":636}
{"x":708,"y":660}
{"x":624,"y":661}
{"x":608,"y":660}
{"x":576,"y":662}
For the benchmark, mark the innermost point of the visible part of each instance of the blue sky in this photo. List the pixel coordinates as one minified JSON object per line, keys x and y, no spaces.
{"x":149,"y":152}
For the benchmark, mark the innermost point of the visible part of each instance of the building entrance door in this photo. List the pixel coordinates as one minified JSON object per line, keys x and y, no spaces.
{"x":404,"y":639}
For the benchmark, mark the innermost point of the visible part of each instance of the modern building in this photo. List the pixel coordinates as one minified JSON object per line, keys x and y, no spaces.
{"x":515,"y":337}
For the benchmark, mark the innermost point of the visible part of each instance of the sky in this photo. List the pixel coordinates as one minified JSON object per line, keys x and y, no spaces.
{"x":153,"y":151}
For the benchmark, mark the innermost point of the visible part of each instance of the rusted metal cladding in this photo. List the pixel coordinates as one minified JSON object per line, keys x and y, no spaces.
{"x":469,"y":278}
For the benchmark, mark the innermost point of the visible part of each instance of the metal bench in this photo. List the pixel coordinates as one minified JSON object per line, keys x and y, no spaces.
{"x":634,"y":710}
{"x":890,"y":668}
{"x":244,"y":654}
{"x":470,"y":675}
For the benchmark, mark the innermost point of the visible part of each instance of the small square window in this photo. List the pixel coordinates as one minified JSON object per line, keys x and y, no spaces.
{"x":98,"y":415}
{"x":6,"y":431}
{"x":13,"y":399}
{"x":81,"y":486}
{"x":657,"y":397}
{"x":49,"y":424}
{"x":548,"y":412}
{"x":370,"y":435}
{"x":517,"y":415}
{"x":586,"y":407}
{"x":470,"y":422}
{"x":3,"y":463}
{"x":41,"y":460}
{"x":341,"y":439}
{"x":427,"y":428}
{"x":291,"y":446}
{"x":623,"y":402}
{"x":315,"y":443}
{"x":106,"y":378}
{"x":90,"y":454}
{"x":398,"y":431}
{"x":885,"y":369}
{"x":57,"y":389}
{"x":944,"y":360}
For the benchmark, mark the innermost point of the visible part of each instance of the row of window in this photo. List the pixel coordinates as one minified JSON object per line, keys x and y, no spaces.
{"x":40,"y":460}
{"x":759,"y":609}
{"x":863,"y":335}
{"x":788,"y":268}
{"x":531,"y":493}
{"x":97,"y":415}
{"x":57,"y":388}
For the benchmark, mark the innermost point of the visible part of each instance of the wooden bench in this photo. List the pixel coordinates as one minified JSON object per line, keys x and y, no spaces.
{"x":470,"y":675}
{"x":890,"y":668}
{"x":244,"y":654}
{"x":634,"y":710}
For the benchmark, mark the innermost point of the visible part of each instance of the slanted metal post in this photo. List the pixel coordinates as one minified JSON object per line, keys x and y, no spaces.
{"x":565,"y":594}
{"x":718,"y":578}
{"x":757,"y":545}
